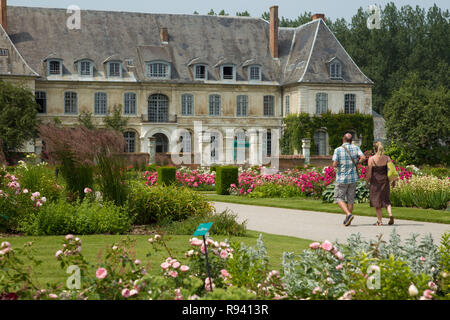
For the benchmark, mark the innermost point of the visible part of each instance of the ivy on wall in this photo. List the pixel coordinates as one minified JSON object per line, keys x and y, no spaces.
{"x":303,"y":125}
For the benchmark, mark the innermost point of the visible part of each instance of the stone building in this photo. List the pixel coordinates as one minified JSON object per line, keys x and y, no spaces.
{"x":216,"y":87}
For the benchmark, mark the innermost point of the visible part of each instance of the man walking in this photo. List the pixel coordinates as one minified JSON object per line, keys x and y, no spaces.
{"x":345,"y":159}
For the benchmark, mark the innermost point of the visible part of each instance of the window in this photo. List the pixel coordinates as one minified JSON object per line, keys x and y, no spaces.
{"x":214,"y":147}
{"x":254,"y":73}
{"x":3,"y":52}
{"x":267,"y":143}
{"x":130,"y":139}
{"x":201,"y":72}
{"x":85,"y":68}
{"x":240,"y":147}
{"x":214,"y":105}
{"x":187,"y":105}
{"x":186,"y":142}
{"x":129,"y":102}
{"x":41,"y":100}
{"x":70,"y":103}
{"x":158,"y":70}
{"x":158,"y":108}
{"x":350,"y":103}
{"x":228,"y":72}
{"x":269,"y":106}
{"x":54,"y":67}
{"x":288,"y":105}
{"x":335,"y":70}
{"x":100,"y":103}
{"x":320,"y":143}
{"x":321,"y":103}
{"x":114,"y":69}
{"x":242,"y":106}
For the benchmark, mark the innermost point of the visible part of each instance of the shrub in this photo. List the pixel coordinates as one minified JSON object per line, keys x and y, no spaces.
{"x":84,"y":217}
{"x":225,"y":177}
{"x":162,"y":204}
{"x":213,"y":168}
{"x":224,"y":223}
{"x":166,"y":175}
{"x":150,"y":168}
{"x":111,"y":178}
{"x":274,"y":190}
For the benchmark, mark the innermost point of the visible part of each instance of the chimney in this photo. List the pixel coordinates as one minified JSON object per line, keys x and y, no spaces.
{"x":164,"y":33}
{"x":273,"y":40}
{"x":3,"y":14}
{"x":318,"y":16}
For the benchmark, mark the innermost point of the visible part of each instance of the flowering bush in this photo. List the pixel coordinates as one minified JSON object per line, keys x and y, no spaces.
{"x":422,"y":191}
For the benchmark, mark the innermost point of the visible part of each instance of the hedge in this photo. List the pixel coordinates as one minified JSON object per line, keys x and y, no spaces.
{"x":166,"y":175}
{"x":225,"y":176}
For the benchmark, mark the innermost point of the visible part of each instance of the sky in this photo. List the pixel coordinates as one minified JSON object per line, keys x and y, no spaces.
{"x":287,"y":8}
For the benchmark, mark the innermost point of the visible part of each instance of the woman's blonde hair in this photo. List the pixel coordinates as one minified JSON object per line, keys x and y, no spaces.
{"x":378,"y":148}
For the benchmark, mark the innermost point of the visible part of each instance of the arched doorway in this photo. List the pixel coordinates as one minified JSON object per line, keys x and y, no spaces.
{"x":162,"y":143}
{"x":158,"y":108}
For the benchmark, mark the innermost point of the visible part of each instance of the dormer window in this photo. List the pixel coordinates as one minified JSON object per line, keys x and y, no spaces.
{"x":85,"y":68}
{"x":228,"y":72}
{"x":55,"y":67}
{"x":158,"y":69}
{"x":114,"y":69}
{"x":201,"y":72}
{"x":335,"y":70}
{"x":254,"y":73}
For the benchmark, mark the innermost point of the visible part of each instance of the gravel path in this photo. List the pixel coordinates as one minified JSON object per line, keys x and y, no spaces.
{"x":321,"y":226}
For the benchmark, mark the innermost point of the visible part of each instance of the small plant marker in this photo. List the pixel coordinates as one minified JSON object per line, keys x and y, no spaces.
{"x":202,"y":230}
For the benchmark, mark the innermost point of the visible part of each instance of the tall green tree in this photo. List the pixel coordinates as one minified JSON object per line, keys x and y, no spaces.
{"x":243,"y":14}
{"x":417,"y":121}
{"x":115,"y":121}
{"x":18,"y":122}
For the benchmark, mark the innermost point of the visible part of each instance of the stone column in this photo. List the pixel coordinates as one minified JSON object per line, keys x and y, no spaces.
{"x":152,"y":149}
{"x":306,"y":146}
{"x":254,"y":152}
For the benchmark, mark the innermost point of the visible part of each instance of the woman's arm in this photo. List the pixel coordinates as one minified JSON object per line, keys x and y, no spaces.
{"x":369,"y":170}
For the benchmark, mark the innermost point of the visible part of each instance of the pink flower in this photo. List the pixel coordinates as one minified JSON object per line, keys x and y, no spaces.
{"x":69,"y":237}
{"x":223,"y":254}
{"x":428,"y":294}
{"x":173,"y":274}
{"x":87,"y":190}
{"x":327,"y":245}
{"x":422,"y":259}
{"x":224,"y":273}
{"x":184,"y":268}
{"x":176,"y":265}
{"x":53,"y":296}
{"x":101,"y":273}
{"x":340,"y":256}
{"x":25,"y":190}
{"x":165,"y":265}
{"x":5,"y":244}
{"x":58,"y":253}
{"x":209,"y":284}
{"x":314,"y":245}
{"x":432,"y":285}
{"x":125,"y":293}
{"x":137,"y":261}
{"x":196,"y":242}
{"x":133,"y":292}
{"x":316,"y":290}
{"x":339,"y":267}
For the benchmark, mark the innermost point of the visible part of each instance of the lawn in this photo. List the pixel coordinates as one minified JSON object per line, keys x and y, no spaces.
{"x":363,"y":209}
{"x":50,"y":272}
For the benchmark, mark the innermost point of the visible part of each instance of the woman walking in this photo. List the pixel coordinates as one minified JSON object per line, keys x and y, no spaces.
{"x":379,"y":183}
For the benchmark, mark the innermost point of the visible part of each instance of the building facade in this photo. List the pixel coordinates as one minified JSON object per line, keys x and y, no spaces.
{"x":211,"y":86}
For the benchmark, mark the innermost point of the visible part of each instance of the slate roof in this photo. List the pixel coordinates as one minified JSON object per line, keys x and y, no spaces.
{"x":41,"y":33}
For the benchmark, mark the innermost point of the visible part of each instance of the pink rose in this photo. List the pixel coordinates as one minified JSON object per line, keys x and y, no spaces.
{"x":340,"y":256}
{"x":184,"y":268}
{"x":101,"y":273}
{"x":165,"y":265}
{"x":176,"y":265}
{"x":5,"y":244}
{"x":316,"y":290}
{"x":209,"y":284}
{"x":53,"y":296}
{"x":137,"y":261}
{"x":422,"y":259}
{"x":173,"y":274}
{"x":223,"y":254}
{"x":327,"y":245}
{"x":58,"y":253}
{"x":125,"y":293}
{"x":432,"y":285}
{"x":69,"y":237}
{"x":339,"y":267}
{"x":224,"y":273}
{"x":133,"y":292}
{"x":314,"y":245}
{"x":196,"y":242}
{"x":87,"y":190}
{"x":428,"y":294}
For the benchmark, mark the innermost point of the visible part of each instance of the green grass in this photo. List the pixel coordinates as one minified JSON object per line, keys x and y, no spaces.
{"x":50,"y":272}
{"x":363,"y":209}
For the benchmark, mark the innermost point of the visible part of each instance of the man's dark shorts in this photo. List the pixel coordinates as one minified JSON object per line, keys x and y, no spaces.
{"x":345,"y":192}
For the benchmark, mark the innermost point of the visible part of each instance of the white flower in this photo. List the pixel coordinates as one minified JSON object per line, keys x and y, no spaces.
{"x":413,"y":290}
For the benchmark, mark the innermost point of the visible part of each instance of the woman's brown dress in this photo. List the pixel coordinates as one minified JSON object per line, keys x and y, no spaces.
{"x":380,"y":196}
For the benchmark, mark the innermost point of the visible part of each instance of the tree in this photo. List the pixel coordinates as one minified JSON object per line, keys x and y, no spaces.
{"x":243,"y":14}
{"x":417,"y":121}
{"x":211,"y":13}
{"x":18,"y":121}
{"x":116,"y":121}
{"x":223,"y":13}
